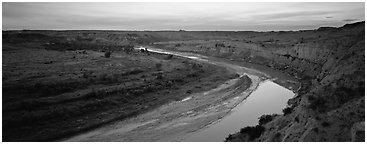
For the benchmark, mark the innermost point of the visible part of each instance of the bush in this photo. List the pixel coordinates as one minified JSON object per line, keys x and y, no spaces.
{"x":265,"y":119}
{"x":128,"y":48}
{"x":287,"y":110}
{"x":317,"y":103}
{"x":253,"y":132}
{"x":107,"y":54}
{"x":158,"y":66}
{"x":134,"y":71}
{"x":296,"y":119}
{"x":229,"y":138}
{"x":325,"y":124}
{"x":160,"y":76}
{"x":344,"y":94}
{"x":168,"y":57}
{"x":219,"y":45}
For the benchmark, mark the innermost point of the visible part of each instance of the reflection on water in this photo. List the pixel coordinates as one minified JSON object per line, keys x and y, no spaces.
{"x":268,"y":98}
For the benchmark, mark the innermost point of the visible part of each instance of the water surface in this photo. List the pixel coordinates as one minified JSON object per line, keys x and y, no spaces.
{"x":268,"y":98}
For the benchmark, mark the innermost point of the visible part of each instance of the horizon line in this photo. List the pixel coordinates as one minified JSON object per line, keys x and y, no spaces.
{"x":179,"y":30}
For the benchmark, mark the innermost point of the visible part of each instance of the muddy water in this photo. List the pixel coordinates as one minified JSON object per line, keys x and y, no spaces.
{"x":268,"y":98}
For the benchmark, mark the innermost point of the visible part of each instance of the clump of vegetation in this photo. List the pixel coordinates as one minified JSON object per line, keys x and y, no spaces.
{"x":296,"y":119}
{"x":128,"y":49}
{"x":325,"y":124}
{"x":317,"y":103}
{"x":168,"y":57}
{"x":253,"y":132}
{"x":160,"y":76}
{"x":219,"y":45}
{"x":107,"y":54}
{"x":158,"y":66}
{"x":277,"y":137}
{"x":265,"y":119}
{"x":287,"y":110}
{"x":315,"y":130}
{"x":229,"y":138}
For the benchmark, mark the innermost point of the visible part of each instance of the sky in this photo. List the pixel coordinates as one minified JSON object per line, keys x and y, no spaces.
{"x":175,"y":16}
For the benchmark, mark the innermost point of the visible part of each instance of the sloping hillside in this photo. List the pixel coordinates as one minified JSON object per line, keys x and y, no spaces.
{"x":331,"y":106}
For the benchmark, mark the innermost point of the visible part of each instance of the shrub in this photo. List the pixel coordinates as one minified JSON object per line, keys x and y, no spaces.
{"x":219,"y":45}
{"x":103,"y":77}
{"x":344,"y":94}
{"x":158,"y":66}
{"x":87,"y":74}
{"x":229,"y":138}
{"x":265,"y":119}
{"x":168,"y":57}
{"x":160,"y":76}
{"x":296,"y":119}
{"x":128,"y":48}
{"x":276,"y":137}
{"x":253,"y":132}
{"x":134,"y":71}
{"x":315,"y":130}
{"x":287,"y":110}
{"x":317,"y":103}
{"x":107,"y":54}
{"x":325,"y":124}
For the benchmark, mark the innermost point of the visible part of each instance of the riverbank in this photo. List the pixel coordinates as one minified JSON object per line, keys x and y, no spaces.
{"x":268,"y":94}
{"x":175,"y":121}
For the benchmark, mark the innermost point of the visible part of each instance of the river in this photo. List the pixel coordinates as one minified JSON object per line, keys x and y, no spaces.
{"x":268,"y":98}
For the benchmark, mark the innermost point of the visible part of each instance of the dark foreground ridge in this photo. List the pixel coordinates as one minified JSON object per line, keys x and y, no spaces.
{"x":328,"y":62}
